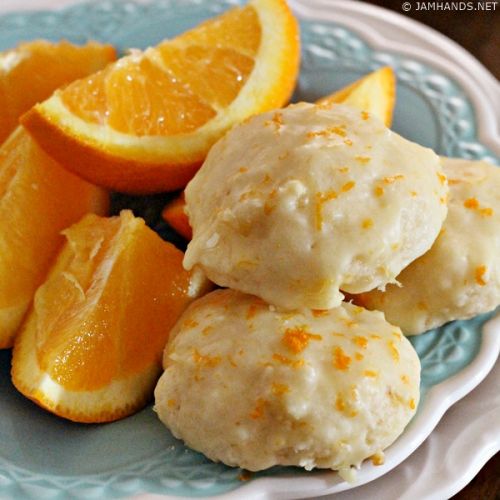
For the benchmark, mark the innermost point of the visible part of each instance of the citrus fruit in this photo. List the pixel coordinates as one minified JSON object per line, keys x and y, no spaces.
{"x":90,"y":349}
{"x":30,"y":72}
{"x":145,"y":123}
{"x":174,"y":214}
{"x":38,"y":198}
{"x":375,"y":93}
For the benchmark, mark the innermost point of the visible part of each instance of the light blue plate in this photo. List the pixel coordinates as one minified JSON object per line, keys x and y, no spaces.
{"x":42,"y":456}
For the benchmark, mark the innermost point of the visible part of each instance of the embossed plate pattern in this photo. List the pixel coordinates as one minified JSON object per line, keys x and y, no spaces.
{"x":44,"y":456}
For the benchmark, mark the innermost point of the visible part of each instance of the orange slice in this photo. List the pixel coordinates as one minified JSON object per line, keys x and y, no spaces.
{"x":38,"y":198}
{"x":90,"y":350}
{"x":146,"y":123}
{"x":33,"y":70}
{"x":375,"y":93}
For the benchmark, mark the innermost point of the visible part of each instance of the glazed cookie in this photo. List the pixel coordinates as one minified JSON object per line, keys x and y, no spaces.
{"x":253,"y":387}
{"x":460,"y":276}
{"x":294,"y":205}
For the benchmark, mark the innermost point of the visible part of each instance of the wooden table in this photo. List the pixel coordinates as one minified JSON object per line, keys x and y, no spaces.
{"x":479,"y":33}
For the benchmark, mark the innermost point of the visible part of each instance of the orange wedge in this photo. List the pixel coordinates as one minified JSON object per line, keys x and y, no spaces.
{"x":90,"y":350}
{"x":174,"y":214}
{"x":146,"y":123}
{"x":33,"y":70}
{"x":375,"y":93}
{"x":38,"y":198}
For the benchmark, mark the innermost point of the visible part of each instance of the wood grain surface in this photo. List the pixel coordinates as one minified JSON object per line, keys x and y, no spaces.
{"x":478,"y":31}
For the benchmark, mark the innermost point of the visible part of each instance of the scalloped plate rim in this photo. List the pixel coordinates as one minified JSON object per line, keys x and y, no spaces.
{"x":460,"y":384}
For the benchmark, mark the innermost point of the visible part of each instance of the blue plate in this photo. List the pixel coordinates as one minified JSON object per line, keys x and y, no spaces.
{"x":43,"y":456}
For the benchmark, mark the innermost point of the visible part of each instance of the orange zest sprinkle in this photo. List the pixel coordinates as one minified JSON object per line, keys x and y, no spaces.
{"x":379,"y":191}
{"x":242,"y":170}
{"x":269,"y":206}
{"x":342,"y":406}
{"x":370,"y":373}
{"x":486,"y":212}
{"x":190,"y":323}
{"x":252,"y":310}
{"x":365,"y":115}
{"x":277,"y":120}
{"x":339,"y":130}
{"x":258,"y":411}
{"x":171,"y":403}
{"x":343,"y":170}
{"x":321,"y":199}
{"x":405,"y":379}
{"x":205,"y":360}
{"x":279,"y":389}
{"x":471,"y":203}
{"x":358,"y":356}
{"x":442,"y":178}
{"x":394,"y":350}
{"x":294,"y":363}
{"x":367,"y":223}
{"x":393,"y":178}
{"x":480,"y":272}
{"x":320,"y":312}
{"x":350,"y":323}
{"x":411,"y":404}
{"x":266,"y":180}
{"x":207,"y":330}
{"x":340,"y":403}
{"x":340,"y":360}
{"x":378,"y":459}
{"x":348,"y":186}
{"x":360,"y":341}
{"x":374,"y":336}
{"x":348,"y":142}
{"x":413,"y":193}
{"x":297,"y":339}
{"x":362,"y":159}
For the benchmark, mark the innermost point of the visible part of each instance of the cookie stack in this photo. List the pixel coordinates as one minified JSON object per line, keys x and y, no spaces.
{"x":291,"y":210}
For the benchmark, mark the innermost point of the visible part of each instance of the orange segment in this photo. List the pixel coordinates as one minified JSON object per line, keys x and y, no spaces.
{"x":215,"y":74}
{"x":33,"y":70}
{"x":91,"y":348}
{"x":375,"y":93}
{"x":175,"y":215}
{"x":38,"y":198}
{"x":145,"y":100}
{"x":146,"y":123}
